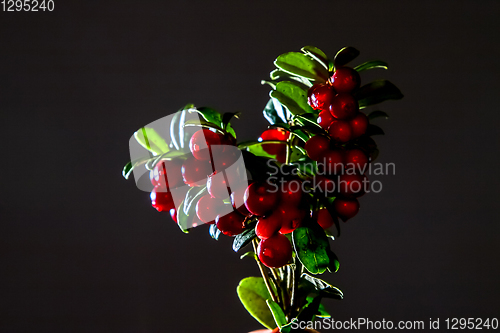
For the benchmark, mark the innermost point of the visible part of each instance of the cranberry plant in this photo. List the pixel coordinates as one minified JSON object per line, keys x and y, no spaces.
{"x":284,"y":201}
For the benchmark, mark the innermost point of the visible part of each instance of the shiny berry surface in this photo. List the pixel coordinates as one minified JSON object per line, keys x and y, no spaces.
{"x":208,"y":208}
{"x":230,"y":224}
{"x":356,"y":159}
{"x":268,"y":226}
{"x":325,"y":119}
{"x":195,"y":172}
{"x":317,"y":146}
{"x":201,"y":142}
{"x":340,"y":131}
{"x":324,"y":218}
{"x":291,"y":192}
{"x":162,"y":201}
{"x":167,"y":174}
{"x":275,"y":251}
{"x":237,"y":200}
{"x":344,"y":106}
{"x":320,"y":96}
{"x":345,"y":79}
{"x":359,"y":124}
{"x":292,"y":218}
{"x":217,"y":186}
{"x":275,"y":135}
{"x":331,"y":162}
{"x":346,"y":208}
{"x":261,"y":198}
{"x":350,"y":185}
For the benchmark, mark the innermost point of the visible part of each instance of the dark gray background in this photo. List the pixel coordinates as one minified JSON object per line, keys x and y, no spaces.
{"x":81,"y":250}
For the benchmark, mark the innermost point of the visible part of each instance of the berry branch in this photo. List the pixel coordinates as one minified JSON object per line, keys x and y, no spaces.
{"x":284,"y":192}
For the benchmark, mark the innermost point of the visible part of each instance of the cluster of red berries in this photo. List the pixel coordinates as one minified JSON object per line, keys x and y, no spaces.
{"x":277,"y":149}
{"x":343,"y":123}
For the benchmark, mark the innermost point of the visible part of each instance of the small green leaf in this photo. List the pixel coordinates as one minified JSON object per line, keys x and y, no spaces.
{"x":210,"y":115}
{"x":183,"y":220}
{"x":299,"y":64}
{"x":306,"y":166}
{"x":345,"y":56}
{"x":130,"y":166}
{"x":322,"y":313}
{"x":278,"y":314}
{"x":253,"y":294}
{"x":249,"y":254}
{"x":377,"y":114}
{"x":271,"y":114}
{"x":278,"y":74}
{"x":178,"y":137}
{"x":192,"y":197}
{"x":308,"y":118}
{"x":151,"y":140}
{"x":173,"y":154}
{"x":377,"y":92}
{"x":243,"y":239}
{"x":292,"y":96}
{"x":214,"y":232}
{"x":317,"y":54}
{"x":226,"y":118}
{"x":374,"y":130}
{"x":311,"y":248}
{"x":255,"y":147}
{"x":324,"y":288}
{"x":204,"y":124}
{"x":371,"y":64}
{"x":334,"y":261}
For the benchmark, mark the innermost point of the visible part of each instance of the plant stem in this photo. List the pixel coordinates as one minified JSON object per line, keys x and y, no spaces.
{"x":265,"y":276}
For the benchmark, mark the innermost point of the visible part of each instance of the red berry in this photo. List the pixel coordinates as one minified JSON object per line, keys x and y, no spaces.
{"x":291,"y":192}
{"x":268,"y":226}
{"x":346,"y":208}
{"x":167,"y":174}
{"x":351,"y":185}
{"x":161,"y":200}
{"x":238,"y":202}
{"x":275,"y":135}
{"x":331,"y":162}
{"x":260,"y":198}
{"x":344,"y":106}
{"x":201,"y":142}
{"x":292,"y":218}
{"x":230,"y":224}
{"x":275,"y":251}
{"x":173,"y":214}
{"x":281,"y":156}
{"x":325,"y":118}
{"x":320,"y":96}
{"x":324,"y":185}
{"x":316,"y":146}
{"x":345,"y":79}
{"x":324,"y":218}
{"x":217,"y":186}
{"x":340,"y":130}
{"x":356,"y":159}
{"x":208,"y":208}
{"x":225,"y":158}
{"x":359,"y":124}
{"x":195,"y":172}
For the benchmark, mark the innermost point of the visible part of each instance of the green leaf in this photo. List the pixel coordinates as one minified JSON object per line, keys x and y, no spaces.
{"x":377,"y":114}
{"x":306,"y":166}
{"x":243,"y":239}
{"x":210,"y":115}
{"x":271,"y":114}
{"x":308,"y":119}
{"x":183,"y":220}
{"x":255,"y":147}
{"x":371,"y":64}
{"x":204,"y":124}
{"x":192,"y":197}
{"x":130,"y":166}
{"x":278,"y":74}
{"x":377,"y":92}
{"x":322,"y":313}
{"x":317,"y":54}
{"x":173,"y":154}
{"x":324,"y":288}
{"x":214,"y":232}
{"x":374,"y":130}
{"x":178,"y":137}
{"x":151,"y":140}
{"x":226,"y":118}
{"x":345,"y":56}
{"x":311,"y":248}
{"x":253,"y":294}
{"x":299,"y":64}
{"x":278,"y":314}
{"x":334,"y":261}
{"x":249,"y":254}
{"x":292,"y":96}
